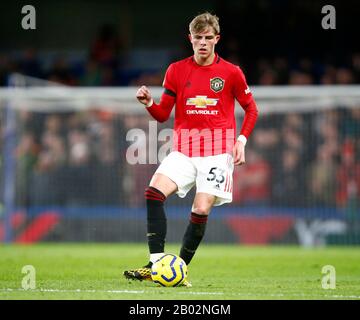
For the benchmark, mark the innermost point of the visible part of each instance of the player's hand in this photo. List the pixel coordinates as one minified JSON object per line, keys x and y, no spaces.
{"x":144,"y":95}
{"x":239,"y":153}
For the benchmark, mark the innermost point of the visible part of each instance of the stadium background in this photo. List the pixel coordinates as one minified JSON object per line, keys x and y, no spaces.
{"x":301,"y":183}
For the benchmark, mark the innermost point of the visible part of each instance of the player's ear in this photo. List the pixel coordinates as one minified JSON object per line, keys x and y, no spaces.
{"x":217,"y":38}
{"x":190,"y":37}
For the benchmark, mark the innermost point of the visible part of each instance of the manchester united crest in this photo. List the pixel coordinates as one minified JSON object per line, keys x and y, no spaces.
{"x":217,"y":84}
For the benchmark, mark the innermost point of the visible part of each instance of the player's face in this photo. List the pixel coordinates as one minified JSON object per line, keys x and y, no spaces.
{"x":204,"y":43}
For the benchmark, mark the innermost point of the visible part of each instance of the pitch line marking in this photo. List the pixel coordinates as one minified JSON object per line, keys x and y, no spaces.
{"x":107,"y":291}
{"x":76,"y":290}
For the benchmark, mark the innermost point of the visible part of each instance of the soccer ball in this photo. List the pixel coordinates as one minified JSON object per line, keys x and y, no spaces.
{"x":169,"y":271}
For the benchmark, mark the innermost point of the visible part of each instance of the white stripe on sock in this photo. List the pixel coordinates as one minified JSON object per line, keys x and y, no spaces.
{"x":155,"y":256}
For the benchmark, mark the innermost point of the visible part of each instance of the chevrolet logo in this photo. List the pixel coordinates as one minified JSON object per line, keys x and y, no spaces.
{"x":201,"y":102}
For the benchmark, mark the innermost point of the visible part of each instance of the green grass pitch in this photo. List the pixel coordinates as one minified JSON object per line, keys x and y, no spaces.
{"x":94,"y":271}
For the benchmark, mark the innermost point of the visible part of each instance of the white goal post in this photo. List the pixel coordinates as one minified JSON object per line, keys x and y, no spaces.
{"x":270,"y":99}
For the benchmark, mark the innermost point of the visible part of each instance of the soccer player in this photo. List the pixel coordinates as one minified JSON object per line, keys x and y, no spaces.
{"x":205,"y":147}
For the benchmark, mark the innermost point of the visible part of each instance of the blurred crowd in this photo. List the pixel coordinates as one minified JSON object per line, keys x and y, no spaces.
{"x":69,"y":159}
{"x":106,"y":64}
{"x":292,"y":160}
{"x":297,"y":160}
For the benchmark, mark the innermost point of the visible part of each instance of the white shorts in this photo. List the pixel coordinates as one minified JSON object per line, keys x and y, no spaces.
{"x":212,"y":175}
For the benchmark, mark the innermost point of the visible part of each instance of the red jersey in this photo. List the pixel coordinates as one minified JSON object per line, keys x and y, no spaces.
{"x":205,"y":100}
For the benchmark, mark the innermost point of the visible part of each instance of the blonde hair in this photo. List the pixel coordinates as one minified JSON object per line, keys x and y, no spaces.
{"x":202,"y":21}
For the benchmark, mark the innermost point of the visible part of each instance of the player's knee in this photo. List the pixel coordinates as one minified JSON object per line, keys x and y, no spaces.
{"x":201,"y":209}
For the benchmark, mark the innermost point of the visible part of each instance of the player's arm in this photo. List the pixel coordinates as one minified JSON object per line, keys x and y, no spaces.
{"x":247,"y":102}
{"x":161,"y":111}
{"x":251,"y":114}
{"x":250,"y":118}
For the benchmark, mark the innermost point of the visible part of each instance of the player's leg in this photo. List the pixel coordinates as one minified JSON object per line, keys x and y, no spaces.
{"x":195,"y":231}
{"x":159,"y":189}
{"x":166,"y":180}
{"x":213,"y":188}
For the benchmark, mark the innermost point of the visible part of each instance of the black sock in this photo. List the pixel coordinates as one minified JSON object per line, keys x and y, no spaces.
{"x":156,"y":219}
{"x":193,"y":236}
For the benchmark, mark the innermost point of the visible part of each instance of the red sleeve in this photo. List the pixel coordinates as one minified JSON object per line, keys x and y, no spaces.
{"x":161,"y":111}
{"x":251,"y":114}
{"x":244,"y":96}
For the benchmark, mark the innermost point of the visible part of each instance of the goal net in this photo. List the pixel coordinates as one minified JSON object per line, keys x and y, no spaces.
{"x":75,"y":163}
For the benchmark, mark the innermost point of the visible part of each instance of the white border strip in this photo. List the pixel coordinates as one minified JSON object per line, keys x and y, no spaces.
{"x":274,"y":295}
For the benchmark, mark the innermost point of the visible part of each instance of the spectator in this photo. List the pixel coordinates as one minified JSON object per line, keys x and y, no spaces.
{"x":328,"y":76}
{"x":108,"y":171}
{"x":254,"y":181}
{"x":344,"y":76}
{"x":350,"y":126}
{"x":321,"y":178}
{"x":60,"y":72}
{"x":288,"y":181}
{"x":29,"y":64}
{"x":80,"y":176}
{"x":300,"y":78}
{"x":348,"y":177}
{"x":47,"y":187}
{"x":92,"y":75}
{"x":26,"y":156}
{"x":105,"y":49}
